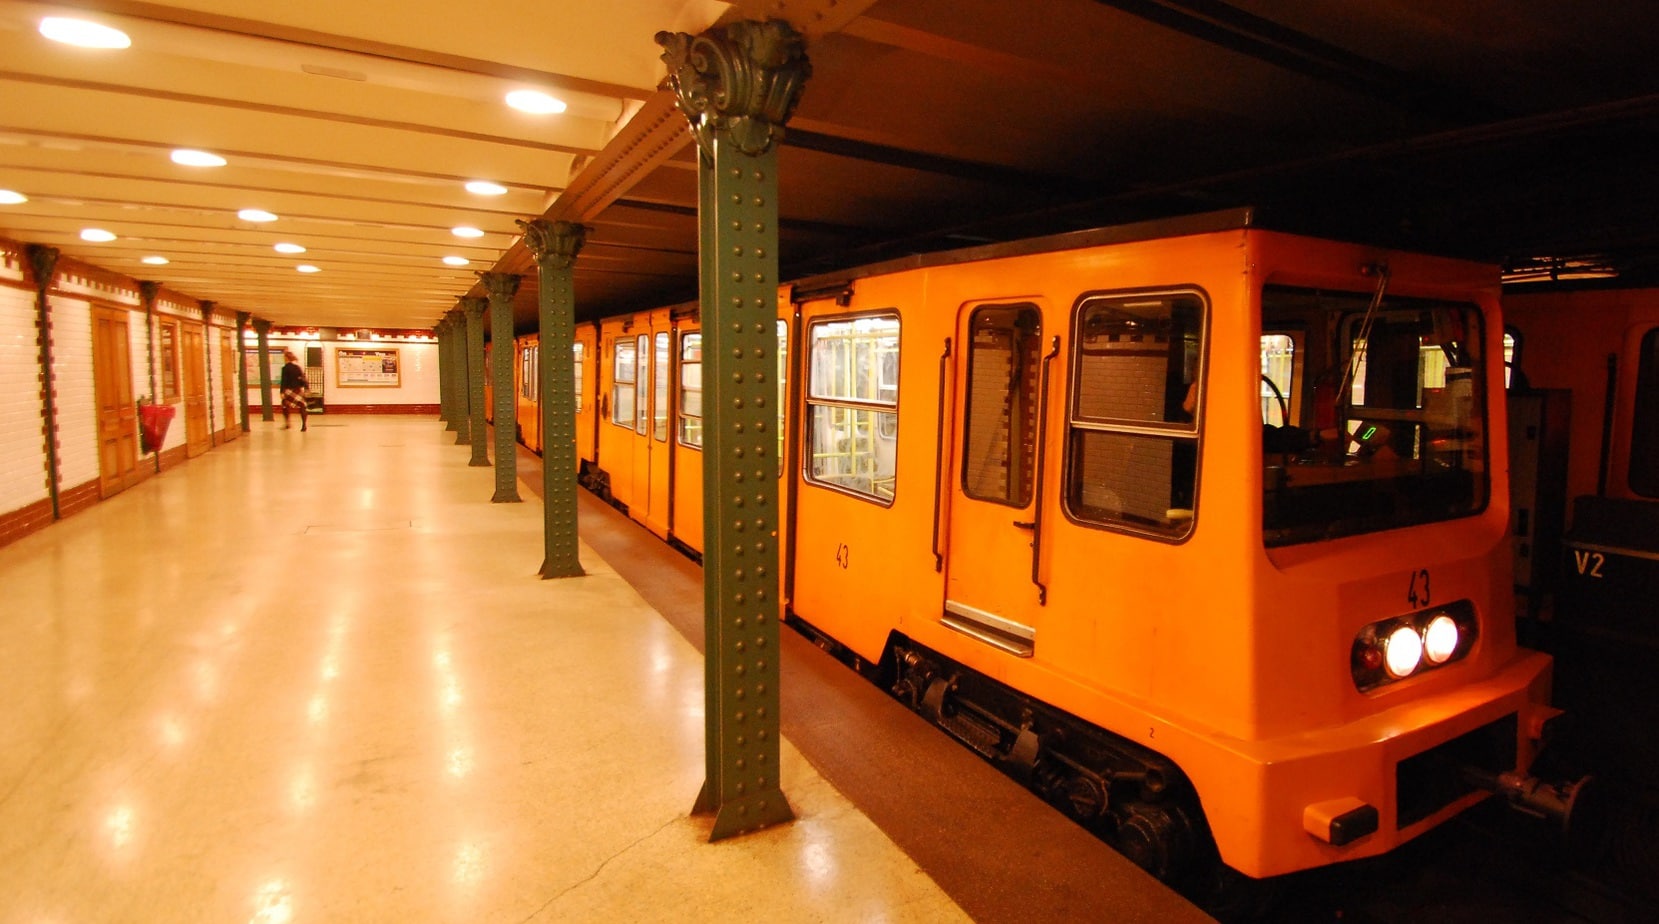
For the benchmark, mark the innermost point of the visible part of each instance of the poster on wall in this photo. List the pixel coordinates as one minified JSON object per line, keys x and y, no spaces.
{"x":366,"y":368}
{"x":250,"y":359}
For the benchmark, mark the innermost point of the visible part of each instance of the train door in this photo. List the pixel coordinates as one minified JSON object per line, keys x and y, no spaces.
{"x":654,"y":471}
{"x":688,"y":434}
{"x":528,"y":375}
{"x":583,"y":355}
{"x":197,"y":427}
{"x":117,"y":414}
{"x":999,"y":376}
{"x":618,"y":396}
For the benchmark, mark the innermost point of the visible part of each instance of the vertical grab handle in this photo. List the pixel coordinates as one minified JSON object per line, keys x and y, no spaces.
{"x":939,"y":459}
{"x":1042,"y":453}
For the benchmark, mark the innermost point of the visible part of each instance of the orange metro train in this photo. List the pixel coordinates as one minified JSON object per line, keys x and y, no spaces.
{"x":1197,"y":528}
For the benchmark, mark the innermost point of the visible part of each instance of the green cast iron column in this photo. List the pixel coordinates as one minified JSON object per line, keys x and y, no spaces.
{"x":460,"y":380}
{"x":502,"y":287}
{"x":207,"y":347}
{"x":262,"y":327}
{"x":474,"y":307}
{"x":43,"y":262}
{"x":242,"y":366}
{"x":555,"y":245}
{"x":147,"y":291}
{"x":737,"y":85}
{"x":442,"y":336}
{"x":446,"y":371}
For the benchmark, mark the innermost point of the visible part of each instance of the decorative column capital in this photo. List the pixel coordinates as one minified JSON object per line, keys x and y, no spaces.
{"x":554,"y":244}
{"x":501,"y":286}
{"x":43,"y":262}
{"x":475,"y":306}
{"x":262,"y":326}
{"x":148,"y":291}
{"x":207,"y":310}
{"x":743,"y":78}
{"x":242,"y":318}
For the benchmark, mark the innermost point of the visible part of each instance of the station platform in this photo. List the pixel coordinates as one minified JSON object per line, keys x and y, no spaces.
{"x":314,"y":676}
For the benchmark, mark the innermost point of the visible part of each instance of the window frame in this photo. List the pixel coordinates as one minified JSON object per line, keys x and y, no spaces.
{"x":1191,"y":431}
{"x":167,"y":345}
{"x":809,"y":401}
{"x":617,"y":382}
{"x":682,"y":415}
{"x":1028,"y":477}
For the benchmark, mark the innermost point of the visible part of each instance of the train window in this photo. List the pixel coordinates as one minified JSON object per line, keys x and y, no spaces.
{"x":527,"y":372}
{"x":691,"y":389}
{"x":659,"y":402}
{"x":1132,"y":442}
{"x":1393,"y":429}
{"x":999,"y":435}
{"x":623,"y":373}
{"x":1644,"y":420}
{"x":783,"y":388}
{"x":642,"y":384}
{"x":1277,"y":385}
{"x":852,"y":404}
{"x":576,"y":358}
{"x":1511,"y":357}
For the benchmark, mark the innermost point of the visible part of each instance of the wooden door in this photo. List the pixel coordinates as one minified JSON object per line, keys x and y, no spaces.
{"x":197,"y":427}
{"x":228,"y":363}
{"x":117,"y":414}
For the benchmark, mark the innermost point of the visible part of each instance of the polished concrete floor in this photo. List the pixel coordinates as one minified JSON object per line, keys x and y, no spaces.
{"x":313,"y":677}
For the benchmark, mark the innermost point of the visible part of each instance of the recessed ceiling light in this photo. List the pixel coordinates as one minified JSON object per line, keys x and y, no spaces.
{"x":193,"y":158}
{"x":7,"y":197}
{"x":82,"y":33}
{"x":156,"y":261}
{"x":486,"y":188}
{"x":97,"y":236}
{"x":286,"y":247}
{"x":535,"y":102}
{"x":255,"y":215}
{"x":307,"y":268}
{"x":457,"y":261}
{"x":466,"y":231}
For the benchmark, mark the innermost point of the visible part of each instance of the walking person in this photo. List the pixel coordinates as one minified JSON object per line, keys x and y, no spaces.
{"x":293,"y":390}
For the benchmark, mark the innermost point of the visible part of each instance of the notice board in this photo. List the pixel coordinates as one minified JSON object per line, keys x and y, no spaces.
{"x":360,"y":368}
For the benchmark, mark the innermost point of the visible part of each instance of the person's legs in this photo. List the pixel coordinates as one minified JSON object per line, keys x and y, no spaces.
{"x":285,"y":423}
{"x":305,"y":410}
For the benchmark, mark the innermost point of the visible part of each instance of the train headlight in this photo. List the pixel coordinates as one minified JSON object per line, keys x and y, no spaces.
{"x":1404,"y":651}
{"x":1405,"y":646}
{"x":1440,"y":639}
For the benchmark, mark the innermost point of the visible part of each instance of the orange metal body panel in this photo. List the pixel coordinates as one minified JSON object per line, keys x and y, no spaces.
{"x":653,"y":469}
{"x":1231,"y":660}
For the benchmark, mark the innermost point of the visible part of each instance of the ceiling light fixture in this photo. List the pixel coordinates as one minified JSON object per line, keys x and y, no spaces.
{"x":97,"y":236}
{"x":307,"y":268}
{"x":255,"y":215}
{"x":192,"y":158}
{"x":7,"y":197}
{"x":286,"y":247}
{"x":156,"y":261}
{"x":466,"y":231}
{"x":456,"y":261}
{"x":486,"y":188}
{"x":82,"y":33}
{"x":535,"y":102}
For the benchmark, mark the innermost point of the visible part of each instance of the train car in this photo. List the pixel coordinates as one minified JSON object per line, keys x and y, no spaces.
{"x":527,"y":381}
{"x":1590,"y":359}
{"x":1193,"y":526}
{"x":527,"y":386}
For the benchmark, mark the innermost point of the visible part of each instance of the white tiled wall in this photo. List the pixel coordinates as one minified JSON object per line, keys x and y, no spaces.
{"x":22,"y":446}
{"x":76,"y":403}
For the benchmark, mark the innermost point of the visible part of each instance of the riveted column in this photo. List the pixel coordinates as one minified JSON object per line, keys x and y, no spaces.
{"x":446,"y":398}
{"x":43,"y":263}
{"x":502,"y":287}
{"x":555,"y":245}
{"x":461,"y":423}
{"x":262,"y":327}
{"x":737,"y":85}
{"x":474,"y":308}
{"x":147,"y":293}
{"x":207,"y":348}
{"x":242,"y":318}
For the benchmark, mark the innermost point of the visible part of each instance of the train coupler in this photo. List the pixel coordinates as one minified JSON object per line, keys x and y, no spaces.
{"x":1571,"y":805}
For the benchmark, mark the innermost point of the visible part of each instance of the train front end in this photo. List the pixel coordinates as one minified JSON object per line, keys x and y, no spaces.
{"x":1386,"y":691}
